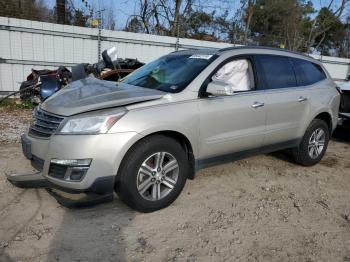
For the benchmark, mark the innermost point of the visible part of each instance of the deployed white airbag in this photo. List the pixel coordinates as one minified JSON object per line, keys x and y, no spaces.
{"x":235,"y":74}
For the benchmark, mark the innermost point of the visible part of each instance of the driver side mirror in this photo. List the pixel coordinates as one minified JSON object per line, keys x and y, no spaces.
{"x":217,"y":88}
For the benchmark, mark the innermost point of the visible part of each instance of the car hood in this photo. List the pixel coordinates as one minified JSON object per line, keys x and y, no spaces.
{"x":90,"y":94}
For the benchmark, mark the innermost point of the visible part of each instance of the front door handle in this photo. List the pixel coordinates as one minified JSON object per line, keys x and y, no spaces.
{"x":257,"y":104}
{"x":302,"y":99}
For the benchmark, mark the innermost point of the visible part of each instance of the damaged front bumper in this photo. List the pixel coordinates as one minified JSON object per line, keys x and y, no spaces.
{"x":74,"y":164}
{"x":28,"y":180}
{"x":103,"y":185}
{"x":44,"y":157}
{"x":100,"y":192}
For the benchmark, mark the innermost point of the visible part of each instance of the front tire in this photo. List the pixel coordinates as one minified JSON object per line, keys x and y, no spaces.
{"x":152,"y":174}
{"x":313,"y":144}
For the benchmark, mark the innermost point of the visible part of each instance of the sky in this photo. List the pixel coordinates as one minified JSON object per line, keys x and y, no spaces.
{"x":124,"y":8}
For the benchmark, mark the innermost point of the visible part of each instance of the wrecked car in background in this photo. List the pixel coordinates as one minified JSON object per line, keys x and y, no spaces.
{"x":110,"y":68}
{"x":344,"y":110}
{"x":41,"y":84}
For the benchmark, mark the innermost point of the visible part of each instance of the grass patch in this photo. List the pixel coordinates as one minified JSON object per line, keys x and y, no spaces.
{"x":13,"y":104}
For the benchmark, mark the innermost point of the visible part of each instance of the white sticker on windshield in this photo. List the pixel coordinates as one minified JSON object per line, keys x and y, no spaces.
{"x":207,"y":57}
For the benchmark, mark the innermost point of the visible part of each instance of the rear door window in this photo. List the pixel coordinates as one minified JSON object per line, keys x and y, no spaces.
{"x":307,"y":73}
{"x":275,"y":71}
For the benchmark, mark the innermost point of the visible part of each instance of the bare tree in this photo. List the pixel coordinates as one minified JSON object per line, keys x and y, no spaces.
{"x":145,"y":14}
{"x":110,"y":20}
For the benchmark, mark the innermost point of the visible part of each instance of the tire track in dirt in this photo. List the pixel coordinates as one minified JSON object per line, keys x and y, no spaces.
{"x":9,"y":203}
{"x":19,"y":226}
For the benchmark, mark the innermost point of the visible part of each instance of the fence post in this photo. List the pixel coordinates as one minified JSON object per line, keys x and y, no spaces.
{"x":99,"y":12}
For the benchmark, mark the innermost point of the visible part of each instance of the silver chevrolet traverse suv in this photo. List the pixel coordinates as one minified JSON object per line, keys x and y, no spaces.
{"x":146,"y":135}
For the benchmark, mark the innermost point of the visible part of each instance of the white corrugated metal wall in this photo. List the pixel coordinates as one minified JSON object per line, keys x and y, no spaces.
{"x":28,"y":44}
{"x":338,"y":68}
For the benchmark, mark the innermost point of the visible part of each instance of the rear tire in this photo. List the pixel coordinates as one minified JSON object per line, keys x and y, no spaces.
{"x":152,"y":174}
{"x":313,"y":144}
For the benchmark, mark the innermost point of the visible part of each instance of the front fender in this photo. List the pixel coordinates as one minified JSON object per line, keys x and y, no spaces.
{"x":166,"y":127}
{"x":181,"y":117}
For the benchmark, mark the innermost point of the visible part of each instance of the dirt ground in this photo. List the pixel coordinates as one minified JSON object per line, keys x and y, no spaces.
{"x":264,"y":208}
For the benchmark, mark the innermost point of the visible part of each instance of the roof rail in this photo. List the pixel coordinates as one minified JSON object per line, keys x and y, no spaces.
{"x":197,"y":50}
{"x":264,"y":48}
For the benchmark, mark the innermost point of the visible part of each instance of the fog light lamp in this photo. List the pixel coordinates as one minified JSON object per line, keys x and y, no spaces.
{"x":72,"y":162}
{"x":77,"y":173}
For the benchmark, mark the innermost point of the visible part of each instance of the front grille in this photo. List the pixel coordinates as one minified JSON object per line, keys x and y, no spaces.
{"x":57,"y":171}
{"x":44,"y":124}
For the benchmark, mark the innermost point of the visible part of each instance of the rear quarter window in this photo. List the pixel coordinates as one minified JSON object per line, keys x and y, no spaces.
{"x":275,"y":71}
{"x":307,"y":73}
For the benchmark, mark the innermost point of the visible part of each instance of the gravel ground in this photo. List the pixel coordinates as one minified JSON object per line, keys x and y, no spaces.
{"x":264,"y":208}
{"x":13,"y":123}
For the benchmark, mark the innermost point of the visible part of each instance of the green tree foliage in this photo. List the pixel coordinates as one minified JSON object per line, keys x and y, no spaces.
{"x":296,"y":25}
{"x":26,"y":9}
{"x":332,"y":32}
{"x":66,"y":13}
{"x":281,"y":23}
{"x":38,"y":10}
{"x":79,"y":18}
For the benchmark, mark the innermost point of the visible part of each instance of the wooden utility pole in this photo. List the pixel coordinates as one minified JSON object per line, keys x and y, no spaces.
{"x":61,"y":11}
{"x":176,"y":17}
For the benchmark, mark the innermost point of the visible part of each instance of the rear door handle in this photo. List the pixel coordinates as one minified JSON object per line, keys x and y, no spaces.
{"x":302,"y":99}
{"x":257,"y":104}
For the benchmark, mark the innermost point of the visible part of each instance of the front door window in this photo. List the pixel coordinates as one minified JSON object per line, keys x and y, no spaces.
{"x":238,"y":74}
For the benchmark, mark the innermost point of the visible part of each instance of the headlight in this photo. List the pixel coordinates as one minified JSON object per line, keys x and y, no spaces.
{"x":92,"y":123}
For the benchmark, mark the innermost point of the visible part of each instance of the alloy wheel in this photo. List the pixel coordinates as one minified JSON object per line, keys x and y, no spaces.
{"x":157,"y":176}
{"x":316,"y":143}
